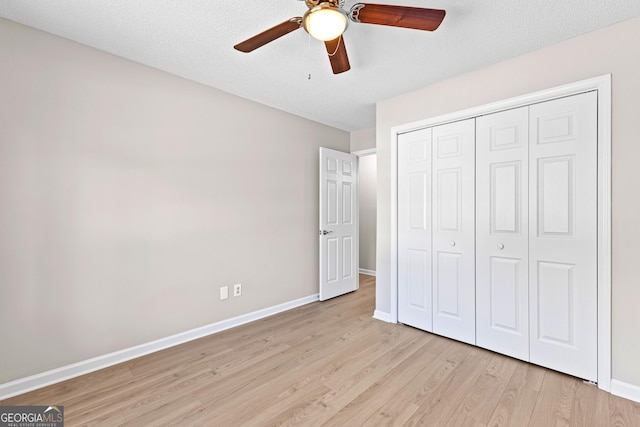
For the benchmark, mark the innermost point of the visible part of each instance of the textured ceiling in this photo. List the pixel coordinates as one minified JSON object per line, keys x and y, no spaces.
{"x":194,"y":39}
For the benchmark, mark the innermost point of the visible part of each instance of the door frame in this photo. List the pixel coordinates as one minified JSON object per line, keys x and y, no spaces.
{"x":601,"y":84}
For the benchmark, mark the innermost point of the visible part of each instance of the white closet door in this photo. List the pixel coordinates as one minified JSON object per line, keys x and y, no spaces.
{"x":453,"y":161}
{"x":502,"y":277}
{"x":414,"y":229}
{"x":563,"y":234}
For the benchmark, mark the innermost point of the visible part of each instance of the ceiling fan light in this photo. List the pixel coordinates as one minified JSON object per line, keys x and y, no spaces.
{"x":325,"y":22}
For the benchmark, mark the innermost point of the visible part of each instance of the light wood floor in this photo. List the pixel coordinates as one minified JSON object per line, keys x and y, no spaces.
{"x":330,"y":364}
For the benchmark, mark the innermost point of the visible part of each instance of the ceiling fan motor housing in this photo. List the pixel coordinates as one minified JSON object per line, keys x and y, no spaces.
{"x":325,"y":20}
{"x":314,"y":3}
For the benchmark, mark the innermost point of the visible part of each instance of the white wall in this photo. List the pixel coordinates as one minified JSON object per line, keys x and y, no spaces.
{"x":612,"y":50}
{"x":367,"y":183}
{"x":128,"y":196}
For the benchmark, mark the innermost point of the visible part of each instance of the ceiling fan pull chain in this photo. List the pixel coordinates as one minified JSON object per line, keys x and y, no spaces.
{"x":309,"y":56}
{"x":337,"y":46}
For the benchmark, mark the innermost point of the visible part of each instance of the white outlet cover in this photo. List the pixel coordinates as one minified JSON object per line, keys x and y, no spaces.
{"x":237,"y":289}
{"x":224,"y":292}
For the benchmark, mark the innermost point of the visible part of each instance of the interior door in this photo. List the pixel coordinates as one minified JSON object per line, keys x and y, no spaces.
{"x":338,"y":223}
{"x":563,"y":234}
{"x":502,"y":228}
{"x":454,"y":296}
{"x":414,"y":229}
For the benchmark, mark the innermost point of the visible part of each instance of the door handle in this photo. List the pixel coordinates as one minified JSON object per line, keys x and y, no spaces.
{"x":325,"y":232}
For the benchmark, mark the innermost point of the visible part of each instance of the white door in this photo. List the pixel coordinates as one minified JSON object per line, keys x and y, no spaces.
{"x":338,"y":223}
{"x":563,"y":234}
{"x":414,"y":229}
{"x":453,"y":163}
{"x":502,"y":228}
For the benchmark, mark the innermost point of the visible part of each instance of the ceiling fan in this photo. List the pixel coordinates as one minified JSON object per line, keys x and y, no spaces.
{"x":326,"y":20}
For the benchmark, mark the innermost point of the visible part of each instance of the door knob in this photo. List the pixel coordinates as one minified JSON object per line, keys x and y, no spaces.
{"x":452,"y":243}
{"x":500,"y":246}
{"x":325,"y":232}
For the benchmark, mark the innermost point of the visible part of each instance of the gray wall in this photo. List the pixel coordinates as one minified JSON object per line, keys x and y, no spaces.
{"x":612,"y":50}
{"x":363,"y":139}
{"x":128,"y":196}
{"x":367,"y":183}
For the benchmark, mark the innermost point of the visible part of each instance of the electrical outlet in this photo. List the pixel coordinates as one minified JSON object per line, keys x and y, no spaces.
{"x":224,"y":292}
{"x":237,"y":289}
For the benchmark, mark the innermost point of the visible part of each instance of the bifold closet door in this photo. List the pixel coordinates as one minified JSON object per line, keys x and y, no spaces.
{"x":414,"y":229}
{"x":563,"y":234}
{"x":502,"y":228}
{"x":453,"y":239}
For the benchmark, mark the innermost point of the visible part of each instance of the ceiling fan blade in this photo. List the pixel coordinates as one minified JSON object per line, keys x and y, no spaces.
{"x":397,"y":16}
{"x":338,"y":55}
{"x":269,"y":35}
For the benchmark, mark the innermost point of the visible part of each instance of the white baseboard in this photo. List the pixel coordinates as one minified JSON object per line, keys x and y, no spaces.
{"x":628,"y":391}
{"x":33,"y":382}
{"x":367,"y":272}
{"x":381,"y":315}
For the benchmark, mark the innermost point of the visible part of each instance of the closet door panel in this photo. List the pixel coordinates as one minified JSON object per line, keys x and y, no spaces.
{"x":502,"y":232}
{"x":449,"y":284}
{"x":453,"y":160}
{"x":563,"y":234}
{"x":414,"y":229}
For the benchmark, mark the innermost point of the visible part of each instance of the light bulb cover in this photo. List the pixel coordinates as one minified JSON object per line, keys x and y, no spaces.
{"x":325,"y":21}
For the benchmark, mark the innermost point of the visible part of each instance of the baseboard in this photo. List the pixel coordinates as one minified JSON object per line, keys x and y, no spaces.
{"x":381,"y":315}
{"x":33,"y":382}
{"x":628,"y":391}
{"x":367,"y":272}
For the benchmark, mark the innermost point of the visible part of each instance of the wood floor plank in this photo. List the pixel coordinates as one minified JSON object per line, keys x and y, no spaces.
{"x":623,"y":412}
{"x":422,"y":385}
{"x":149,"y":388}
{"x":554,"y":405}
{"x":482,"y":398}
{"x":369,"y":406}
{"x":68,"y":392}
{"x":360,"y":409}
{"x":359,"y":376}
{"x":110,"y":419}
{"x":398,"y":409}
{"x":318,"y":411}
{"x":519,"y":397}
{"x":283,"y":403}
{"x":351,"y":371}
{"x":463,"y":420}
{"x":437,"y":407}
{"x":311,"y":361}
{"x":170,"y":411}
{"x":591,"y":407}
{"x":330,"y":364}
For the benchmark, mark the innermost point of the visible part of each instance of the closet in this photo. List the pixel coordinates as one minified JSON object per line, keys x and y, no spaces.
{"x":497,"y":232}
